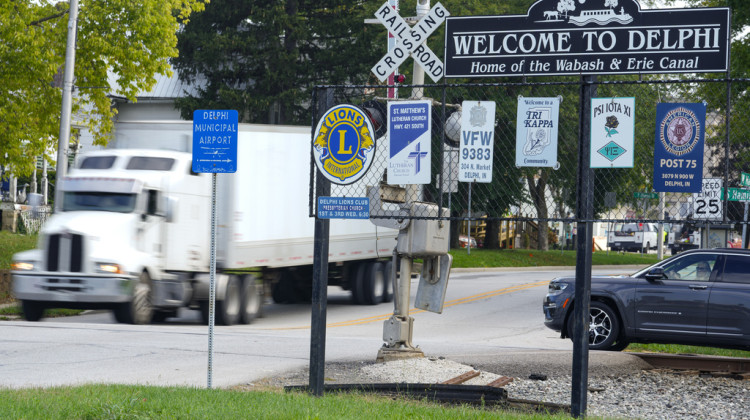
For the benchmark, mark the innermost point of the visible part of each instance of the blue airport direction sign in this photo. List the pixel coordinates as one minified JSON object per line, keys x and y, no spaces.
{"x":215,"y":141}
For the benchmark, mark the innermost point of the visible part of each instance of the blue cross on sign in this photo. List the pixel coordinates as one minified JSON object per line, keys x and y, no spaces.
{"x":215,"y":141}
{"x":417,"y":155}
{"x":409,"y":135}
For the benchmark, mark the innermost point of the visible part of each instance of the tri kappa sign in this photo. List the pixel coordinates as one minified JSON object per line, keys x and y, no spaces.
{"x":566,"y":37}
{"x":412,"y":41}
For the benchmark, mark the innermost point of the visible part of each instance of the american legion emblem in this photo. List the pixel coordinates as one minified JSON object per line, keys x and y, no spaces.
{"x":680,"y":131}
{"x":343,"y":144}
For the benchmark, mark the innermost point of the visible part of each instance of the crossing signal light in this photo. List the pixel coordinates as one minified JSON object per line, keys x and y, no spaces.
{"x":377,"y":112}
{"x":450,"y":123}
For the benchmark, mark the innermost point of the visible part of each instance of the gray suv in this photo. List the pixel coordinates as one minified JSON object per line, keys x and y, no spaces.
{"x":698,"y":297}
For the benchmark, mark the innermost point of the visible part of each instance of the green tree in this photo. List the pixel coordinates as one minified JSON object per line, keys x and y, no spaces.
{"x":727,"y":122}
{"x":132,"y":40}
{"x":261,"y":57}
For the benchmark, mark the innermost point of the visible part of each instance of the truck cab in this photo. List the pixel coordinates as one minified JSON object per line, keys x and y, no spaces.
{"x":127,"y":221}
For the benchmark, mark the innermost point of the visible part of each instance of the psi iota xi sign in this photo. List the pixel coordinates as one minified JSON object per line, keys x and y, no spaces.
{"x":412,"y":41}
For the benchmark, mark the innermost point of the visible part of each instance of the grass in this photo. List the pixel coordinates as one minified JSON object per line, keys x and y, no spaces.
{"x":14,"y":311}
{"x":534,"y":258}
{"x":145,"y":402}
{"x":10,"y":243}
{"x":680,"y":349}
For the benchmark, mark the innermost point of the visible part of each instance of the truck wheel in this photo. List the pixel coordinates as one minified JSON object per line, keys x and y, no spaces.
{"x":32,"y":310}
{"x":203,"y":308}
{"x":388,"y":284}
{"x":228,"y":309}
{"x":139,"y":310}
{"x":357,"y":283}
{"x":252,"y":300}
{"x":374,"y":283}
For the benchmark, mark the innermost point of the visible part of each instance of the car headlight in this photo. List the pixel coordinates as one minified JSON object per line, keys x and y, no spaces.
{"x":22,"y":266}
{"x":109,"y":268}
{"x":555,"y":288}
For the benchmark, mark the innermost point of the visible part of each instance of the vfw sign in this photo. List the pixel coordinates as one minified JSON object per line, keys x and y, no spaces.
{"x":567,"y":37}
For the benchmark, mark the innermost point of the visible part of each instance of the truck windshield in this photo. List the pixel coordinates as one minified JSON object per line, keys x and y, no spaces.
{"x":98,"y":201}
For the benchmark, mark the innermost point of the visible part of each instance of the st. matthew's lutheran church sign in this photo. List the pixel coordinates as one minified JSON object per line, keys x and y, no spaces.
{"x":566,"y":37}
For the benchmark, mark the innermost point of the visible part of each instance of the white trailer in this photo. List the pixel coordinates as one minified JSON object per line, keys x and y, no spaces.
{"x":133,"y":231}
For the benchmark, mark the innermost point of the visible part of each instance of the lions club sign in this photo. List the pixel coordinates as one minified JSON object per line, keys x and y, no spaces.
{"x":343,"y":144}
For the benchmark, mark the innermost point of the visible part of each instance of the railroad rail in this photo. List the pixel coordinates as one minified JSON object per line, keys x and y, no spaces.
{"x":734,"y":367}
{"x":451,"y":391}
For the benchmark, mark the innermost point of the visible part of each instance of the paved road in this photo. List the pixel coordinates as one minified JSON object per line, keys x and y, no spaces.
{"x":486,"y":313}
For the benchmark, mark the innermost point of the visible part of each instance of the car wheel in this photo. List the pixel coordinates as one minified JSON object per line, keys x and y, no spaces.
{"x":619,"y":345}
{"x":32,"y":310}
{"x":604,"y":327}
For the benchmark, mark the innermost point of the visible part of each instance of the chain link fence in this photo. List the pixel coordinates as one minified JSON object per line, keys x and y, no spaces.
{"x":546,"y":196}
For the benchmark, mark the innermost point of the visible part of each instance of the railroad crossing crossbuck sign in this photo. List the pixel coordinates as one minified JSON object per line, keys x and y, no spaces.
{"x":412,"y":41}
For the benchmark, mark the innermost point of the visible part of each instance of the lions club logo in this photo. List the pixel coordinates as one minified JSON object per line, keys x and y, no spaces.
{"x":679,"y":131}
{"x":343,"y":145}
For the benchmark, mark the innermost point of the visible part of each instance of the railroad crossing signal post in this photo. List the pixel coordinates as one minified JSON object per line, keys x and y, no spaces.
{"x":397,"y":331}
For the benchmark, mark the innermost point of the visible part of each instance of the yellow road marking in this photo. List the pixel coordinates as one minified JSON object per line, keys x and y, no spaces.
{"x":467,"y":299}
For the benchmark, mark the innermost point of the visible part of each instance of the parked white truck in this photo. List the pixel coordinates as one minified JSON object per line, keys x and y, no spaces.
{"x":132,"y":233}
{"x":683,"y":236}
{"x":633,"y":236}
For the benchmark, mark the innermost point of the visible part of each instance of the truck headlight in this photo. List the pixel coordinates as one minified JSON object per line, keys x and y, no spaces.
{"x":109,"y":268}
{"x":556,"y":288}
{"x":22,"y":266}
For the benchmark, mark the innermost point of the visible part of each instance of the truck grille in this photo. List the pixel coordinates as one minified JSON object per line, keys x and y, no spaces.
{"x":65,"y":253}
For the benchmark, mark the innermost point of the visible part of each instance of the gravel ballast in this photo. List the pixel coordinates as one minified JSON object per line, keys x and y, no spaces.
{"x":635,"y":394}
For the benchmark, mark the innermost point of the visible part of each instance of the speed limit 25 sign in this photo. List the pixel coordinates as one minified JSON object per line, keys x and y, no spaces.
{"x":707,"y":204}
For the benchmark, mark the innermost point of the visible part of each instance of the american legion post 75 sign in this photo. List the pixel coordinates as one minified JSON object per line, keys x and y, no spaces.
{"x":568,"y":37}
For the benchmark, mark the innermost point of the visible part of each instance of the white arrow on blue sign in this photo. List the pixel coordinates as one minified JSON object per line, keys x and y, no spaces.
{"x":215,"y":141}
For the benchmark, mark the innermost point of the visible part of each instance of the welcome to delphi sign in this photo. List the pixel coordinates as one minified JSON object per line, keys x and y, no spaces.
{"x":566,"y":37}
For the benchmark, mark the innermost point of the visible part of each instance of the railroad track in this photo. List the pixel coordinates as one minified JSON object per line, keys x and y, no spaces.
{"x":731,"y":367}
{"x":453,"y":391}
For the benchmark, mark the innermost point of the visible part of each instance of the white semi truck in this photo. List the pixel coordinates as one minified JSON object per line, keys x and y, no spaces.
{"x":132,"y":233}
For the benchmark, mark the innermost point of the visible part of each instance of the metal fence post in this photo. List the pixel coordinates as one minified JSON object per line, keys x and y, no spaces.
{"x":584,"y":216}
{"x":320,"y":272}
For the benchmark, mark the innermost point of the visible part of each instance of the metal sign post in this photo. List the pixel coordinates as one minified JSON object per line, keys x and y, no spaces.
{"x":584,"y":213}
{"x":214,"y":151}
